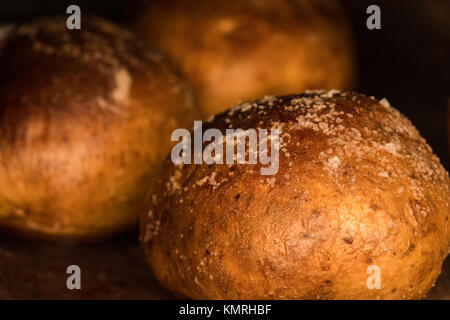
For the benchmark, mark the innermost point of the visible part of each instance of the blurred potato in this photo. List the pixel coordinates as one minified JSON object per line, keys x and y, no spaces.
{"x":85,"y":119}
{"x":235,"y":50}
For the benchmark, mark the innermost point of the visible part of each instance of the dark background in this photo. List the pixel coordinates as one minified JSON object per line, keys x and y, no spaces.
{"x":407,"y":62}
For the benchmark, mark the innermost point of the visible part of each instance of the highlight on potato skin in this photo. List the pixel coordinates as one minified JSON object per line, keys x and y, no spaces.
{"x":85,"y":118}
{"x":233,"y":50}
{"x":357,"y":187}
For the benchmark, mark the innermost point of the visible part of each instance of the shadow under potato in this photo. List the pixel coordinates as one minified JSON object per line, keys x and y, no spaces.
{"x":114,"y":270}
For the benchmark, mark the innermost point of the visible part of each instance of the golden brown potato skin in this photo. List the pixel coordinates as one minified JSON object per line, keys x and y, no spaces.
{"x":85,"y":119}
{"x":234,"y":50}
{"x":357,"y":186}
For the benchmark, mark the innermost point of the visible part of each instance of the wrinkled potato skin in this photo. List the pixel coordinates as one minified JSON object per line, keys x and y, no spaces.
{"x":85,"y":120}
{"x":312,"y":232}
{"x":233,"y":50}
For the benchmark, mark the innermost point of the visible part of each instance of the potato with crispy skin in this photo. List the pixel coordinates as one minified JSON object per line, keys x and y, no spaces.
{"x":85,"y":120}
{"x":357,"y":187}
{"x":234,"y":50}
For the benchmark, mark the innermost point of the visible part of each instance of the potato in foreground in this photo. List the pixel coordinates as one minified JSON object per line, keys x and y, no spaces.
{"x":234,"y":50}
{"x":85,"y":120}
{"x":358,"y":192}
